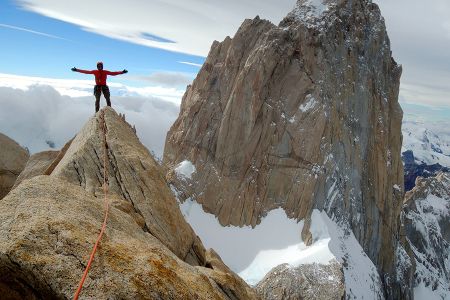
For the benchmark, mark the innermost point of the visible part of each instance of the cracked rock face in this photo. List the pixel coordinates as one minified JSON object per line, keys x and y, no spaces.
{"x":48,"y":226}
{"x":12,"y":161}
{"x":302,"y":115}
{"x":310,"y":281}
{"x":134,"y":177}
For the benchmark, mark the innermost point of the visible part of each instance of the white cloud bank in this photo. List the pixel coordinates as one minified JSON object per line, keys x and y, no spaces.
{"x":55,"y":110}
{"x":181,"y":26}
{"x":81,"y":88}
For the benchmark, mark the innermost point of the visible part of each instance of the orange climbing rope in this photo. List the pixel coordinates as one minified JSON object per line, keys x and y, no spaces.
{"x":106,"y":204}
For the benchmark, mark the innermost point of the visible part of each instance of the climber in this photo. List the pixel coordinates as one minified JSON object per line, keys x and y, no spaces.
{"x":100,"y":82}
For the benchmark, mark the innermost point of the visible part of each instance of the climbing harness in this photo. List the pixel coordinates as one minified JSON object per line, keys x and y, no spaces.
{"x":104,"y":130}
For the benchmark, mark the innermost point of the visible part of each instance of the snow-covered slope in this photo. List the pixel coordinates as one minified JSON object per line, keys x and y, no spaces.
{"x":330,"y":241}
{"x":253,"y":252}
{"x":427,"y":222}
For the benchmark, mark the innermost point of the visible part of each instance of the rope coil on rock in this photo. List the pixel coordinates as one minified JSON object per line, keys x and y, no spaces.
{"x":106,"y":204}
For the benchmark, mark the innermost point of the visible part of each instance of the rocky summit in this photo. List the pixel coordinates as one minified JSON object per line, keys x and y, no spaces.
{"x":303,"y":116}
{"x":49,"y":223}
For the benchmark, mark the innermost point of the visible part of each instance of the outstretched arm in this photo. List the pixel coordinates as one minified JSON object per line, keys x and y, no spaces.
{"x":116,"y":73}
{"x":82,"y":71}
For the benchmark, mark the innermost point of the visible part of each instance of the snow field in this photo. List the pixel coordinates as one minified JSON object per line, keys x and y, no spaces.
{"x":252,"y":253}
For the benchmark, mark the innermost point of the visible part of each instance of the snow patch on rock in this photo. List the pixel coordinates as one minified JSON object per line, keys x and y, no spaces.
{"x":423,"y":292}
{"x":331,"y":242}
{"x":294,"y":255}
{"x":309,"y":104}
{"x":185,"y":169}
{"x":318,"y":6}
{"x":311,"y":8}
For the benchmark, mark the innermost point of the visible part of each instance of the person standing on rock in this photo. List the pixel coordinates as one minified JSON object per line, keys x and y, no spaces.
{"x":100,"y":82}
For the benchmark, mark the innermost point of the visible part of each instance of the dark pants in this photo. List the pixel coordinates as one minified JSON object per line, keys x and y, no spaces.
{"x":98,"y":89}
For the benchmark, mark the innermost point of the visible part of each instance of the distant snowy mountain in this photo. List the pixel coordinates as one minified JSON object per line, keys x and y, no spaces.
{"x":426,"y":149}
{"x":430,"y":142}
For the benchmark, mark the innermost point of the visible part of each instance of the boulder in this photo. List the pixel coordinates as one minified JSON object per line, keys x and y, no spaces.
{"x":309,"y":281}
{"x":13,"y":158}
{"x":36,"y":165}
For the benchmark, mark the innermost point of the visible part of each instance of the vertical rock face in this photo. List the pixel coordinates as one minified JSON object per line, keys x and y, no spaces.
{"x":427,"y":226}
{"x":302,"y":115}
{"x":12,"y":161}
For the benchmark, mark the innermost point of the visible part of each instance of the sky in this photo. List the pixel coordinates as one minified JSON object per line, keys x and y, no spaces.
{"x":163,"y":44}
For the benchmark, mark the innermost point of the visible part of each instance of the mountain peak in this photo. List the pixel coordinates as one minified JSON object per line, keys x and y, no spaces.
{"x":320,"y":13}
{"x":311,"y":9}
{"x":301,"y":116}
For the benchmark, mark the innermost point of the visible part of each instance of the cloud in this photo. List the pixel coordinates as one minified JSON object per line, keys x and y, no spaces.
{"x":32,"y":31}
{"x":170,"y":94}
{"x":67,"y":87}
{"x":190,"y":63}
{"x":181,"y":26}
{"x":38,"y":116}
{"x":420,"y":39}
{"x":169,"y":79}
{"x":419,"y":32}
{"x":429,"y":95}
{"x":80,"y":88}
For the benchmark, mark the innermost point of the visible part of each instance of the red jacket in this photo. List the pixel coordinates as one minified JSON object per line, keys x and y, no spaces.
{"x":100,"y":75}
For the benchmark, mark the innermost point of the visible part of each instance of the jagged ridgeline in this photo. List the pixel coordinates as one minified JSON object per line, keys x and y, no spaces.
{"x":303,"y":115}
